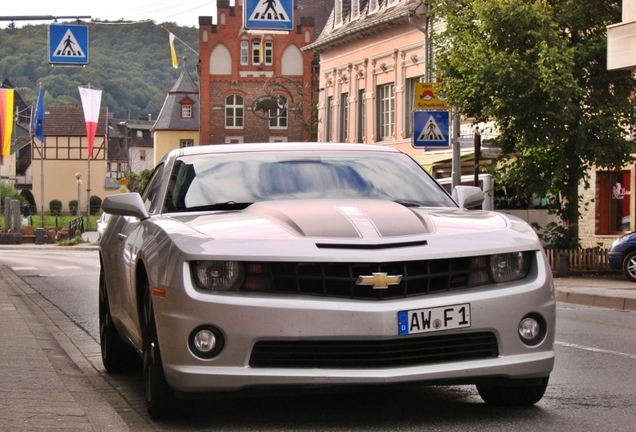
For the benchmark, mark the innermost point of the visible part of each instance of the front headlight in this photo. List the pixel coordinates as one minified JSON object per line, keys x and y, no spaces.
{"x":217,"y":275}
{"x":509,"y":266}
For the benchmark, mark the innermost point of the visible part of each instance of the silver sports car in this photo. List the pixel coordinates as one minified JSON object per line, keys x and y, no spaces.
{"x":310,"y":265}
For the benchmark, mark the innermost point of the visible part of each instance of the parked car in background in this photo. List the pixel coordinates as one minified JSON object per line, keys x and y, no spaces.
{"x":306,"y":265}
{"x":101,"y":224}
{"x":622,"y":255}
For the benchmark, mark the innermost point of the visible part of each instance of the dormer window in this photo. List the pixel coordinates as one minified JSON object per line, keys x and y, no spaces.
{"x":338,"y":13}
{"x":374,"y":5}
{"x":186,"y":107}
{"x":355,"y":9}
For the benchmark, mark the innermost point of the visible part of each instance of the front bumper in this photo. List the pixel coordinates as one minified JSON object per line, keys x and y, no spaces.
{"x":245,"y":319}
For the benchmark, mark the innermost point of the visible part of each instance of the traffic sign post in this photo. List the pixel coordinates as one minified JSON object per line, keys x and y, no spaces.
{"x":68,"y":45}
{"x":431,"y":128}
{"x":269,"y":15}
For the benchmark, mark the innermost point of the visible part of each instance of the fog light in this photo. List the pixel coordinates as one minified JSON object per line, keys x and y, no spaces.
{"x":206,"y":342}
{"x":529,"y":328}
{"x":532,"y":329}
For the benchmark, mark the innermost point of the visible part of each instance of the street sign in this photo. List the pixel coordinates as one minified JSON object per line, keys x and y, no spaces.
{"x":68,"y":45}
{"x":429,"y":95}
{"x":268,"y":15}
{"x":431,"y":128}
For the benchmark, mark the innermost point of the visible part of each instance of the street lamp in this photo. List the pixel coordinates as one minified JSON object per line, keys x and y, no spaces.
{"x":78,"y":176}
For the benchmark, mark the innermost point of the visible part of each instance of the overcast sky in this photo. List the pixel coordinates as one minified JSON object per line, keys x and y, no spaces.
{"x":184,"y":13}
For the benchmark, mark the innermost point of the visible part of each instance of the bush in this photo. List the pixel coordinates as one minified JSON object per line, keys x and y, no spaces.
{"x":55,"y":207}
{"x":72,"y":206}
{"x":95,"y":204}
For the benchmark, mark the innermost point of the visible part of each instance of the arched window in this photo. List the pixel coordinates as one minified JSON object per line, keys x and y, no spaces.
{"x":234,"y":110}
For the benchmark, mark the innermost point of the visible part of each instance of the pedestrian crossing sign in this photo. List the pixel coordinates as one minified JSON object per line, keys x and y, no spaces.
{"x":431,"y":128}
{"x":68,"y":45}
{"x":269,"y":15}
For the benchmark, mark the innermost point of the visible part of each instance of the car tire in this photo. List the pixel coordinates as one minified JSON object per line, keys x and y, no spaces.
{"x":515,"y":395}
{"x":629,"y":266}
{"x":160,"y":397}
{"x":117,"y":356}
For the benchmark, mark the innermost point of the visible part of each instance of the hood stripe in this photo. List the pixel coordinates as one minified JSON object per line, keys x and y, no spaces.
{"x":360,"y":221}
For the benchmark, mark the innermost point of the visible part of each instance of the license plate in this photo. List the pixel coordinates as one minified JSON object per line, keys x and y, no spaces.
{"x":433,"y":319}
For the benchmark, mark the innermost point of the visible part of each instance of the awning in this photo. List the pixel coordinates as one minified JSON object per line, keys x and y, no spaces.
{"x":430,"y":159}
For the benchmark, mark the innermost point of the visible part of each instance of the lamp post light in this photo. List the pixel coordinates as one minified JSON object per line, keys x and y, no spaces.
{"x":78,"y":176}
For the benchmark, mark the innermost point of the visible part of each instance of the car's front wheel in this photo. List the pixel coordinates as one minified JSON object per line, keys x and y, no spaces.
{"x":629,"y":266}
{"x":160,"y":397}
{"x":513,"y":395}
{"x":117,"y":356}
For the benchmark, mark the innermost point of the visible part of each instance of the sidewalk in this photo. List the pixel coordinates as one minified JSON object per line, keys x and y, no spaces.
{"x":51,"y":374}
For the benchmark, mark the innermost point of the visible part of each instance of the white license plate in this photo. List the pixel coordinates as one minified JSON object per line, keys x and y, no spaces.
{"x":433,"y":319}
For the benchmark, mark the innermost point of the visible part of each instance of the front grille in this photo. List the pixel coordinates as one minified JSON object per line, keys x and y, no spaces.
{"x":339,"y":280}
{"x":374,"y":354}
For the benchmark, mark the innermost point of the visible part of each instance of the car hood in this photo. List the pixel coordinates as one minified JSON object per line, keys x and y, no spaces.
{"x":301,"y":227}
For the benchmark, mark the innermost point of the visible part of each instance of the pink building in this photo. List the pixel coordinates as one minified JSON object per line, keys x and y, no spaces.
{"x":372,"y":52}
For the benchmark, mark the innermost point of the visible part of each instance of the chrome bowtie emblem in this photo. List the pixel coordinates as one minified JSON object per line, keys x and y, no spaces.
{"x":379,"y":280}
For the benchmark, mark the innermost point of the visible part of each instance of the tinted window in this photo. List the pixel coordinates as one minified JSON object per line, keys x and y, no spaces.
{"x":246,"y":178}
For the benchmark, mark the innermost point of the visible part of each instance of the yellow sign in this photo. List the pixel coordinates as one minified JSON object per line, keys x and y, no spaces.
{"x":429,"y":95}
{"x":123,"y":190}
{"x":123,"y":181}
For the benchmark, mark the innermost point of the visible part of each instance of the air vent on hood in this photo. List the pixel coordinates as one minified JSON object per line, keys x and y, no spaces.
{"x":370,"y":246}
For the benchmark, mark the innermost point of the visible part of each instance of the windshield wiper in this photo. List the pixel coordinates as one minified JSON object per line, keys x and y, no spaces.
{"x":228,"y":205}
{"x":408,"y":203}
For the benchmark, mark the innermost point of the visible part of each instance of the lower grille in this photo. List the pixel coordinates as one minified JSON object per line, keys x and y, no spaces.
{"x":374,"y":354}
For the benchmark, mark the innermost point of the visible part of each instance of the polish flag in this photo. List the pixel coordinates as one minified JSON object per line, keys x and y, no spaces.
{"x":91,"y":100}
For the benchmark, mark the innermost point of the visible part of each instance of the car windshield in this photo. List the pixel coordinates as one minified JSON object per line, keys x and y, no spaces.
{"x":229,"y":181}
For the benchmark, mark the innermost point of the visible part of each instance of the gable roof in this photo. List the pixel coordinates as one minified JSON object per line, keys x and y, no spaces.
{"x":367,"y":24}
{"x":69,"y":121}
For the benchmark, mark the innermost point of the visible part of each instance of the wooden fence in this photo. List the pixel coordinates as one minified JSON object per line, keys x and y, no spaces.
{"x":581,"y":259}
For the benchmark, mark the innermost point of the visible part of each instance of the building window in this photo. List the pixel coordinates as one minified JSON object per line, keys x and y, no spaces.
{"x":140,"y":134}
{"x":186,"y":111}
{"x":344,"y":118}
{"x":142,"y":155}
{"x":386,"y":111}
{"x":329,"y":118}
{"x":409,"y":103}
{"x":234,"y":112}
{"x":391,"y":2}
{"x":256,"y":52}
{"x":278,"y":117}
{"x":355,"y":9}
{"x":337,"y":14}
{"x":269,"y":53}
{"x":186,"y":143}
{"x":245,"y":54}
{"x":613,"y":202}
{"x":373,"y":6}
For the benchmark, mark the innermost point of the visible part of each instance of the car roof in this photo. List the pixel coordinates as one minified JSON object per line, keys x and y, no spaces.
{"x":267,"y":147}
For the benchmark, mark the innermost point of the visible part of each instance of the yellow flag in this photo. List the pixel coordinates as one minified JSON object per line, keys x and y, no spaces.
{"x":6,"y":121}
{"x":173,"y":54}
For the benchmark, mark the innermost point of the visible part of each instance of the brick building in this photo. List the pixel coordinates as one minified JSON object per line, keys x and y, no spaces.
{"x":255,"y":86}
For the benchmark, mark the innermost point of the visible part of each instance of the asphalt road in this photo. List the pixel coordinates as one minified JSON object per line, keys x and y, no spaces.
{"x":592,"y":386}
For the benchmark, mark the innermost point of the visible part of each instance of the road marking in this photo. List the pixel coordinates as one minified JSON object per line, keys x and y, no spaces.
{"x":23,"y":268}
{"x":597,"y":350}
{"x":67,"y":267}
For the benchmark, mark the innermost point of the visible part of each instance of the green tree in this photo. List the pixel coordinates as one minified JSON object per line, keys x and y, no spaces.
{"x":537,"y":69}
{"x":137,"y":182}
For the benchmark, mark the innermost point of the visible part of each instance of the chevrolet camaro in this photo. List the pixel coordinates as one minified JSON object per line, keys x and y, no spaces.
{"x":245,"y":267}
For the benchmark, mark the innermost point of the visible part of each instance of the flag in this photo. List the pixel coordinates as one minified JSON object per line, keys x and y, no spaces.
{"x":6,"y":121}
{"x":173,"y":53}
{"x":91,"y":100}
{"x":38,"y":118}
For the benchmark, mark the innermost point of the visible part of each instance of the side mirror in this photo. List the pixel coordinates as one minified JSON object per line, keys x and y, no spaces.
{"x":128,"y":204}
{"x":468,"y":196}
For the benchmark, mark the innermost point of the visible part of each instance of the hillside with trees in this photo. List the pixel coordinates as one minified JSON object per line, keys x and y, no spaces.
{"x":129,"y":62}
